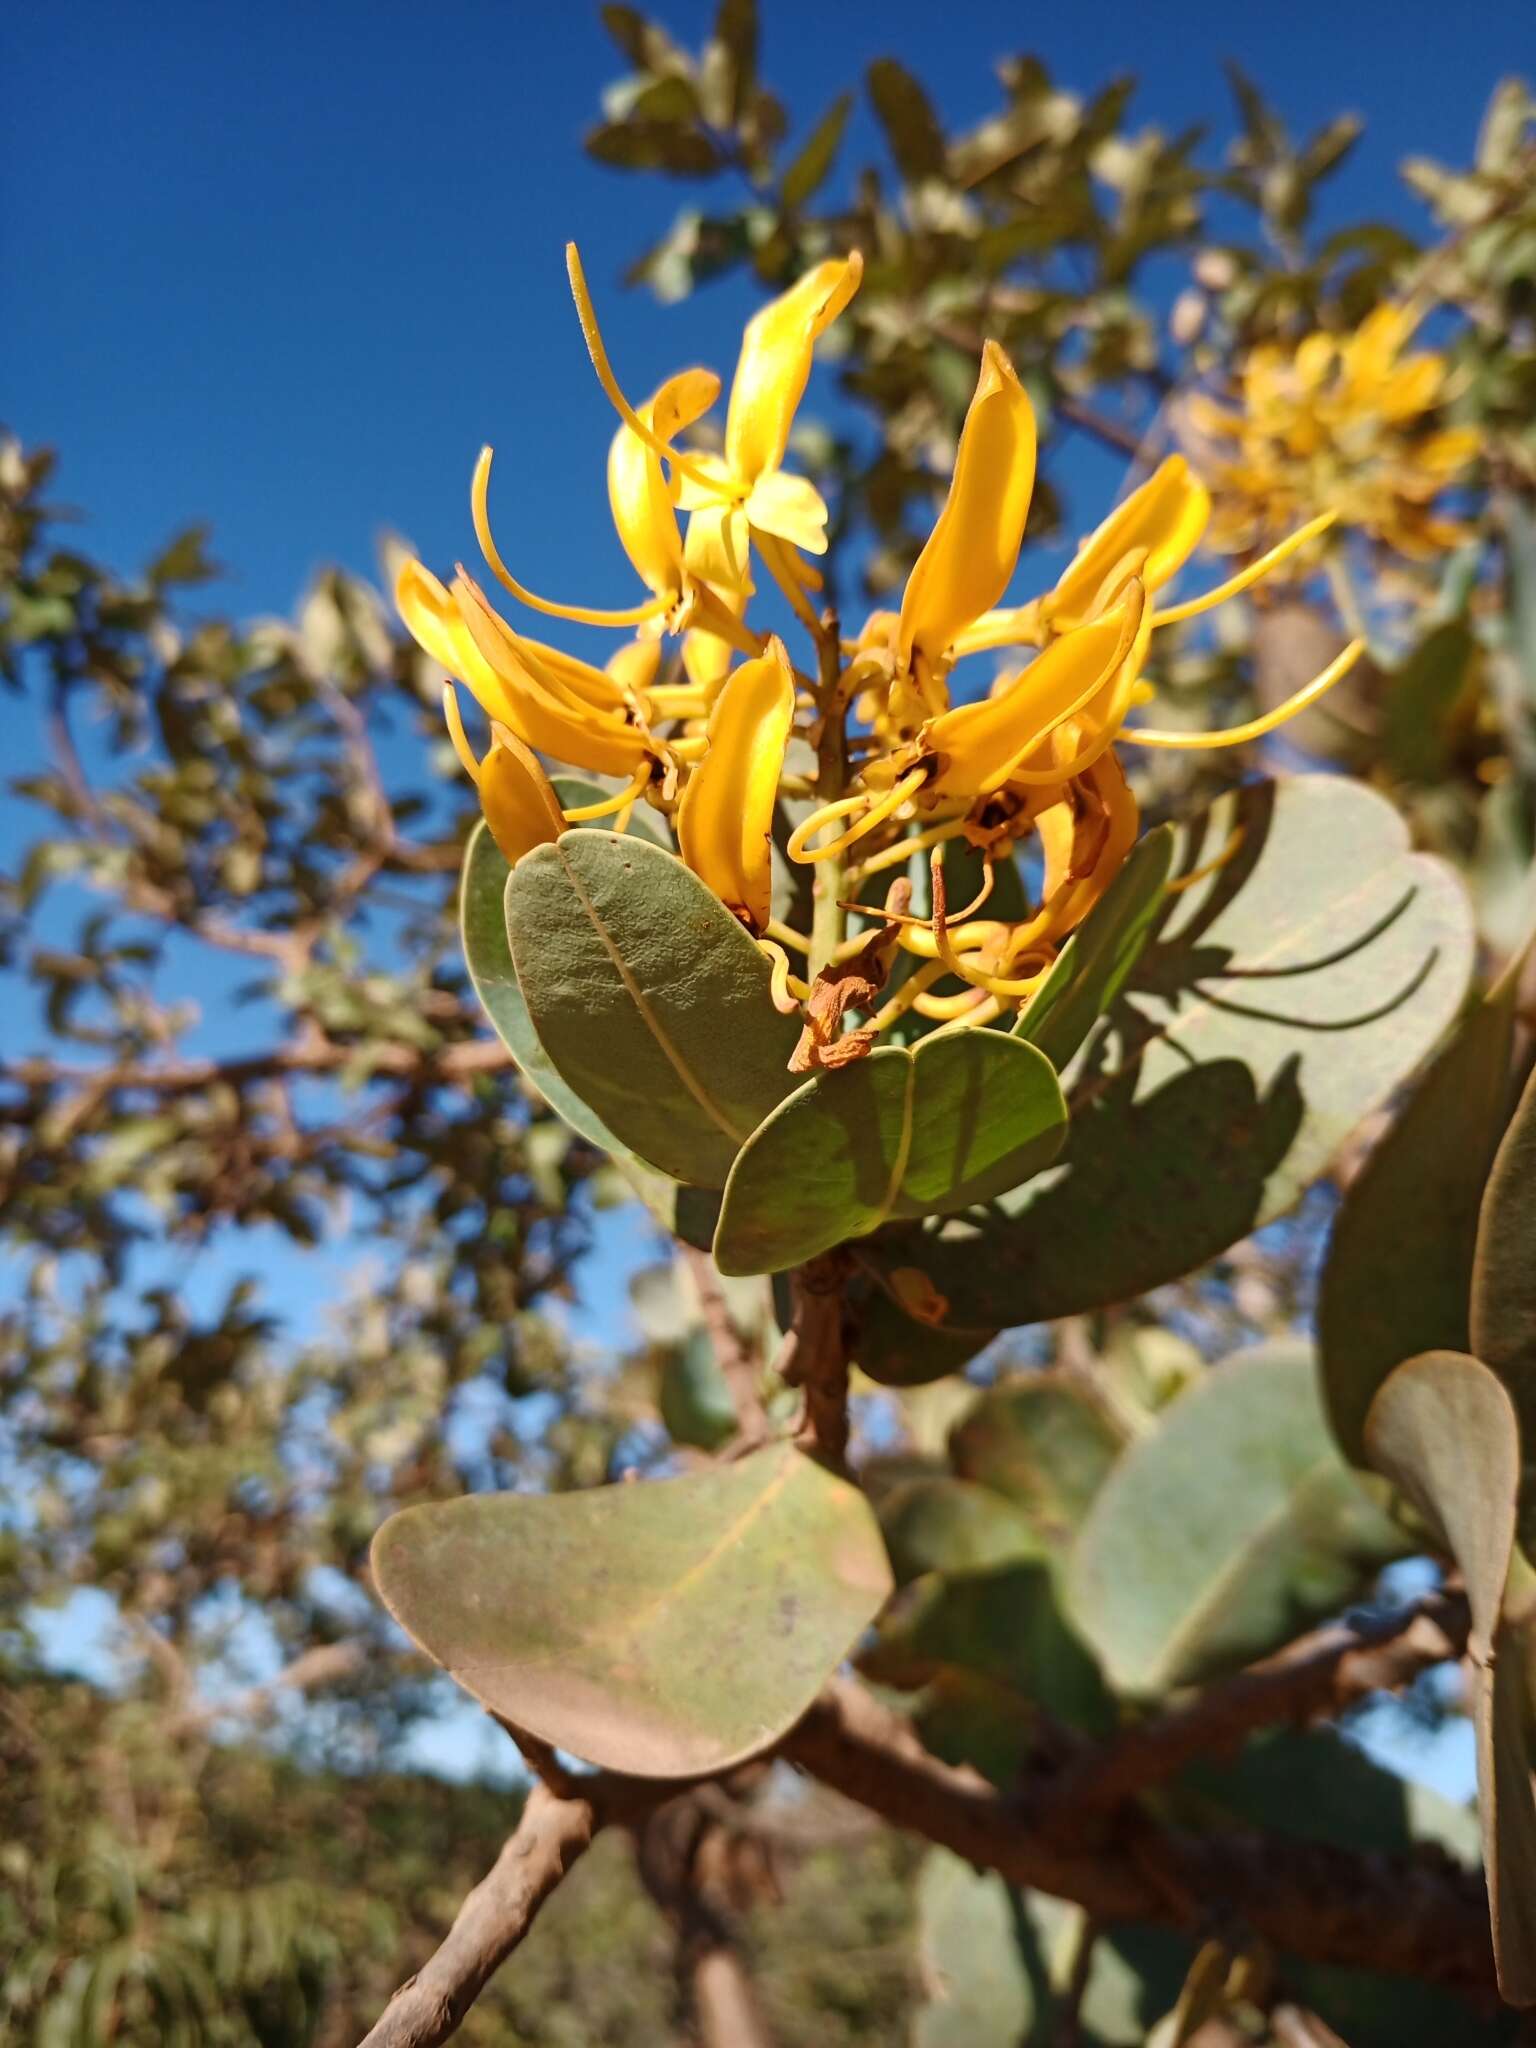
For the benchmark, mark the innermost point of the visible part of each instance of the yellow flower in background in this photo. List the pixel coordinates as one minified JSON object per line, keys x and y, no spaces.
{"x":705,"y":718}
{"x":1346,"y":422}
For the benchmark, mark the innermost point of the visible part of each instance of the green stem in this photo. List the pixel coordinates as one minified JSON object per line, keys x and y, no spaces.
{"x":827,"y":918}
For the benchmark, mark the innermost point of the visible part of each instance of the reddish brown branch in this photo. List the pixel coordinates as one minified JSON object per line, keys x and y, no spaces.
{"x":1323,"y":1673}
{"x":1417,"y":1916}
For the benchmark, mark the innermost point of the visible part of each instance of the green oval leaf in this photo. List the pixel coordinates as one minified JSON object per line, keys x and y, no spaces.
{"x":896,"y":1350}
{"x":1284,"y":994}
{"x":1444,"y":1430}
{"x":1399,"y":1272}
{"x":978,"y":1990}
{"x":664,"y":1629}
{"x":958,"y":1119}
{"x":488,"y":955}
{"x":1040,"y":1442}
{"x":649,"y":999}
{"x":1503,"y":1303}
{"x":1227,"y":1530}
{"x":937,"y":1524}
{"x":1099,"y":958}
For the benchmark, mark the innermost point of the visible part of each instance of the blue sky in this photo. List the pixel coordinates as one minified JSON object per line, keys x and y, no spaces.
{"x":286,"y":267}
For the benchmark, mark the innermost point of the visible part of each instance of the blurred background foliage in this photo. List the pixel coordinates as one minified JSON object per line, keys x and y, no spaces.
{"x":218,"y":1834}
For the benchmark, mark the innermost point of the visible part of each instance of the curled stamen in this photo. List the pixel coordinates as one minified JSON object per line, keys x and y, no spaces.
{"x":1211,"y":867}
{"x":586,"y":615}
{"x":1245,"y":578}
{"x":786,"y":935}
{"x":453,"y":718}
{"x":909,"y":995}
{"x":583,"y":814}
{"x":903,"y":850}
{"x":592,"y":334}
{"x":1238,"y":735}
{"x":787,"y":990}
{"x":874,"y":814}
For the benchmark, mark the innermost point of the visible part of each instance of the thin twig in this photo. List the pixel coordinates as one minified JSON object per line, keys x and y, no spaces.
{"x":430,"y":2007}
{"x":736,"y":1357}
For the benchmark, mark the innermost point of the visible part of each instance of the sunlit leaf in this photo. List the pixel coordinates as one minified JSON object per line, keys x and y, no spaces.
{"x":1443,"y":1430}
{"x":1227,"y":1530}
{"x":649,"y":999}
{"x":661,"y":1629}
{"x":958,"y":1119}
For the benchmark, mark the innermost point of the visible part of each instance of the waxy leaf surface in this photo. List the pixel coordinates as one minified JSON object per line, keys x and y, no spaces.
{"x":1399,"y":1274}
{"x":488,"y":955}
{"x":958,"y":1119}
{"x":662,"y":1629}
{"x":1285,"y":992}
{"x":1444,"y":1431}
{"x":1229,"y":1529}
{"x":1042,"y":1444}
{"x":649,"y":999}
{"x":1503,"y":1310}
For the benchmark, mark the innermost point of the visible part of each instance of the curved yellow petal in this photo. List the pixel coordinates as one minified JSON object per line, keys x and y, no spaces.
{"x":526,"y":698}
{"x":775,"y":364}
{"x":519,"y":803}
{"x":716,"y":550}
{"x":1165,"y":516}
{"x":973,"y":549}
{"x":978,"y":744}
{"x":791,"y":508}
{"x":634,"y":667}
{"x":638,"y":490}
{"x":725,"y":819}
{"x":433,"y":621}
{"x":598,"y":687}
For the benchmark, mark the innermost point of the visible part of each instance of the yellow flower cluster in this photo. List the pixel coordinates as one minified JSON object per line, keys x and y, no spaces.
{"x":901,"y":769}
{"x":1342,"y":421}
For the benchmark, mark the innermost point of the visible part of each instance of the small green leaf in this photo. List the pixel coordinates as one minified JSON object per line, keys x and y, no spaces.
{"x":1226,"y":1531}
{"x":1503,"y":1312}
{"x":979,"y":1994}
{"x":957,"y":1120}
{"x":1421,"y":694}
{"x":906,"y":114}
{"x":1096,"y":962}
{"x":808,"y":169}
{"x":1040,"y":1442}
{"x":1399,"y":1271}
{"x":692,"y":1395}
{"x":1286,"y":991}
{"x":649,"y":999}
{"x":665,"y":1628}
{"x":944,"y":1525}
{"x":986,"y":1643}
{"x":482,"y":920}
{"x":1444,"y":1430}
{"x":896,"y":1350}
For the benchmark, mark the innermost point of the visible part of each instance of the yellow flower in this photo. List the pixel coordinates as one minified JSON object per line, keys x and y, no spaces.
{"x":638,"y":490}
{"x":747,"y":489}
{"x":516,"y":795}
{"x":708,"y":746}
{"x":725,"y":819}
{"x":1344,"y":421}
{"x":970,"y":556}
